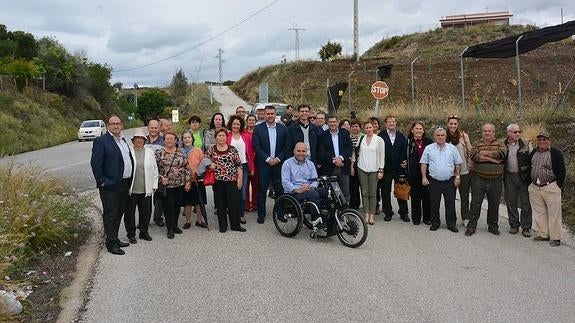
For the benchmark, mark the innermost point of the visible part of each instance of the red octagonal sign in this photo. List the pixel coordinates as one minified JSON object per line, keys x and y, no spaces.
{"x":379,"y":90}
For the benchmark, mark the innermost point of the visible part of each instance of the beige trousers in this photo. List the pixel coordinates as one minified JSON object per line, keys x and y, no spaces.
{"x":546,"y":209}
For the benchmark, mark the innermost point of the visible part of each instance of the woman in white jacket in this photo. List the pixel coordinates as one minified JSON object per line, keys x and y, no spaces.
{"x":144,"y":184}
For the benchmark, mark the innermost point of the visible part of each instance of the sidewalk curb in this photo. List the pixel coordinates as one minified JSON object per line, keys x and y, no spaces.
{"x":74,"y":297}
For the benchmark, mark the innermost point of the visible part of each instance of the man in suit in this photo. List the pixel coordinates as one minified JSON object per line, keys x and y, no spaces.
{"x":112,"y":165}
{"x":335,"y":154}
{"x":395,"y":164}
{"x":303,"y":131}
{"x":270,"y":144}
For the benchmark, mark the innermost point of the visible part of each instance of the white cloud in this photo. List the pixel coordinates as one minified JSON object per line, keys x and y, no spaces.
{"x":127,"y":34}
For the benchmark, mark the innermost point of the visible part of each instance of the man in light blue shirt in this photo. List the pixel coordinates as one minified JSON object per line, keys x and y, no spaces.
{"x":443,"y":162}
{"x":299,"y":178}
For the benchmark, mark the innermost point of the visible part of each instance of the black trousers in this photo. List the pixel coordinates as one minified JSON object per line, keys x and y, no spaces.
{"x":227,"y":198}
{"x":158,"y":207}
{"x":144,"y":204}
{"x":354,"y":190}
{"x":447,"y":189}
{"x":171,"y":203}
{"x":420,"y":207}
{"x":385,"y":187}
{"x":114,"y":204}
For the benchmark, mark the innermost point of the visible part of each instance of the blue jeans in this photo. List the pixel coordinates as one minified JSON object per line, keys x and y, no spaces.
{"x":245,"y":175}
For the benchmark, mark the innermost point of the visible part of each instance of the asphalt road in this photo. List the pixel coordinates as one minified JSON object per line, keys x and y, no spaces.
{"x":402,"y":273}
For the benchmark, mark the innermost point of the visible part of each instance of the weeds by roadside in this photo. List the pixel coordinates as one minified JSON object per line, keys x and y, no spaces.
{"x":40,"y":220}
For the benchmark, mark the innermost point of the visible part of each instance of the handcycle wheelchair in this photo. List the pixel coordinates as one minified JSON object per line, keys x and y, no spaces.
{"x":289,"y":215}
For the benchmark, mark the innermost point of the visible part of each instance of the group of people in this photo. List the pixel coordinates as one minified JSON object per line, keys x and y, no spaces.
{"x":253,"y":153}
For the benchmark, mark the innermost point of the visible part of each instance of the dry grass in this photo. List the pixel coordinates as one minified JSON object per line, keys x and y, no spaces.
{"x":39,"y":216}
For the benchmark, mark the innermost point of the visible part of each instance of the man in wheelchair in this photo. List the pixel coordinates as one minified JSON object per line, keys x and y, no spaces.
{"x":299,"y":178}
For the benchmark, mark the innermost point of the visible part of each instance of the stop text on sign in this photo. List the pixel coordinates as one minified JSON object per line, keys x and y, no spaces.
{"x":379,"y":90}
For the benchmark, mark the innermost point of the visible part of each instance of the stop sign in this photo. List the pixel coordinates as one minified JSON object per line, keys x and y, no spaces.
{"x":379,"y":90}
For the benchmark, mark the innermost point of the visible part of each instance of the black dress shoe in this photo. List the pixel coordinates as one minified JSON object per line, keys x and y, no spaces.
{"x":115,"y":250}
{"x":240,"y":229}
{"x":178,"y":231}
{"x":261,"y":220}
{"x":223,"y":230}
{"x":187,"y":225}
{"x":243,"y":222}
{"x":201,"y":225}
{"x":170,"y":235}
{"x":416,"y":222}
{"x":122,"y":244}
{"x":428,"y":222}
{"x":387,"y":218}
{"x":132,"y":240}
{"x":469,"y":232}
{"x":405,"y":218}
{"x":160,"y":223}
{"x":145,"y":236}
{"x":433,"y":227}
{"x":494,"y":231}
{"x":453,"y":229}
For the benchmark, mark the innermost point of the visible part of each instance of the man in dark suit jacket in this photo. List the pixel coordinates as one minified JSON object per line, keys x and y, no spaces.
{"x":296,"y":134}
{"x":335,"y":154}
{"x":395,"y":165}
{"x":270,"y":143}
{"x":112,"y":165}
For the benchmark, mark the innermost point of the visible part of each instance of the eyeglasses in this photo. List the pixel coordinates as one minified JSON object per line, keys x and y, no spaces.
{"x":516,"y":131}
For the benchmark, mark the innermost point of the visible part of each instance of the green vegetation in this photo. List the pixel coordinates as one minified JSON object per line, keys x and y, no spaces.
{"x":41,"y":219}
{"x":440,"y":42}
{"x":329,"y":51}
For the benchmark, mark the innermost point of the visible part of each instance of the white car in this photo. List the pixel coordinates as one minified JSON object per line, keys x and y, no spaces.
{"x":280,"y":109}
{"x":91,"y":129}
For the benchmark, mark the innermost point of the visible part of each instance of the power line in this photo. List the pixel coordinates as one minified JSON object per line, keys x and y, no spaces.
{"x":201,"y":43}
{"x":297,"y":30}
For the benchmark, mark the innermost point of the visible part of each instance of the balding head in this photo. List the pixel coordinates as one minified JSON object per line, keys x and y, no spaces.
{"x":300,"y":151}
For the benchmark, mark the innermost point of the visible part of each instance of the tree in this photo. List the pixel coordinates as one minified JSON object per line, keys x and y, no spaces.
{"x":179,"y":85}
{"x":22,"y":70}
{"x":58,"y":64}
{"x":151,"y":104}
{"x":100,"y":76}
{"x":330,"y":51}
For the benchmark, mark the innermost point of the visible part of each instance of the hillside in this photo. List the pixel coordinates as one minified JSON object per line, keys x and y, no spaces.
{"x":489,"y":82}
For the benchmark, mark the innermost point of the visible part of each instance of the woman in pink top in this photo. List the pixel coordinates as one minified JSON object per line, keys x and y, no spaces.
{"x":238,"y":138}
{"x":251,"y":187}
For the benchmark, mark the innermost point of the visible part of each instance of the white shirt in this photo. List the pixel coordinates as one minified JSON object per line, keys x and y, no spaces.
{"x":241,"y":147}
{"x":372,"y":155}
{"x":125,"y":149}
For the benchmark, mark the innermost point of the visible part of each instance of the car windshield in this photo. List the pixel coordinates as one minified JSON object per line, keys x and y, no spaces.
{"x":89,"y":124}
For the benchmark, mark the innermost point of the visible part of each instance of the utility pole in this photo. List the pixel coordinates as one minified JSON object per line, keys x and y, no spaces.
{"x":297,"y":30}
{"x":356,"y":30}
{"x":220,"y":64}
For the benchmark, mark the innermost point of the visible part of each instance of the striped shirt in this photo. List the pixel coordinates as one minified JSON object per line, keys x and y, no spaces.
{"x":541,"y":167}
{"x":485,"y":169}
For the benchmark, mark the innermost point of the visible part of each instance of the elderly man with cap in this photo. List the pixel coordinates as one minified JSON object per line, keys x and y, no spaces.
{"x":547,"y":179}
{"x":144,"y":184}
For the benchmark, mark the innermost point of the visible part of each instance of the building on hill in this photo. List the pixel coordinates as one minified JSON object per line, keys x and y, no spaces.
{"x":465,"y":20}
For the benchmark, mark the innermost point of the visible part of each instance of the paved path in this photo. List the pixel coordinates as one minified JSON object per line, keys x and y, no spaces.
{"x":402,"y":273}
{"x":228,"y":100}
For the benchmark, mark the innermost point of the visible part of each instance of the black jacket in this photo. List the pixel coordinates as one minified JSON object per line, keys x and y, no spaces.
{"x":413,"y":166}
{"x":327,"y":152}
{"x":394,"y":154}
{"x":557,"y":163}
{"x":295,"y":135}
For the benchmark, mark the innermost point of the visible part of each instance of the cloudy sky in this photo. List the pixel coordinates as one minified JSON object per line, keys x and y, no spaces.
{"x":146,"y":41}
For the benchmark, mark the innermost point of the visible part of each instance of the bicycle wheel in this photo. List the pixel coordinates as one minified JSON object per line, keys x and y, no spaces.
{"x":354,"y":231}
{"x":287,"y":215}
